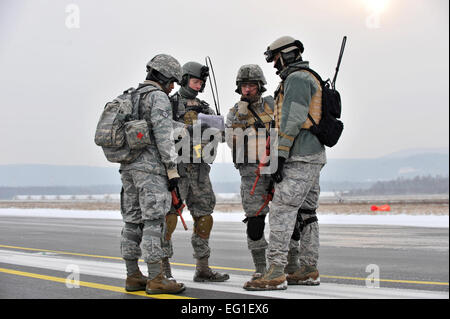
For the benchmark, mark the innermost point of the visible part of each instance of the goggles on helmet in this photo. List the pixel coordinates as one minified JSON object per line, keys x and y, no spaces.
{"x":270,"y":54}
{"x":204,"y":72}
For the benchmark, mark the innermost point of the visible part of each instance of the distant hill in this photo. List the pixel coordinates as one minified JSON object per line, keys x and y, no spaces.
{"x":363,"y":170}
{"x":385,"y":168}
{"x":225,"y":177}
{"x":55,"y":175}
{"x":417,"y":151}
{"x":405,"y":186}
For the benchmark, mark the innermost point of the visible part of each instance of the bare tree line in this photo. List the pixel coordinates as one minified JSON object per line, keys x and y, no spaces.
{"x":407,"y":186}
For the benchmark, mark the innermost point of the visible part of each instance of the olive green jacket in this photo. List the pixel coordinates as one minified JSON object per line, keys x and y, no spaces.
{"x":296,"y":91}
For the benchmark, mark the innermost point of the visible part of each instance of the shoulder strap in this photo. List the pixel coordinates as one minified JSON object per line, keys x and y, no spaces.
{"x":317,"y":76}
{"x":319,"y":79}
{"x":146,"y":89}
{"x":314,"y":73}
{"x":174,"y":100}
{"x":258,"y":119}
{"x":312,"y":120}
{"x":140,"y":92}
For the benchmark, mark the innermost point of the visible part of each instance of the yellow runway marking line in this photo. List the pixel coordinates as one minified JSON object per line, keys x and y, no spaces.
{"x":90,"y":284}
{"x":229,"y":268}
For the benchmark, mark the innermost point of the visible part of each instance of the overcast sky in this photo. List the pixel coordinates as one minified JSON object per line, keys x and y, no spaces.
{"x":58,"y":71}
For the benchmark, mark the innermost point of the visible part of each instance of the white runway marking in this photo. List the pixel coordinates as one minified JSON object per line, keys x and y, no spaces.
{"x":234,"y":285}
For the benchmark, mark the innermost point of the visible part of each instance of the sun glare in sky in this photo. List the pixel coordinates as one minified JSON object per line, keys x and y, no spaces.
{"x":377,"y":6}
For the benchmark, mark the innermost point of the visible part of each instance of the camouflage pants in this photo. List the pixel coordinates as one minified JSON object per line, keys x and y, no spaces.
{"x":299,"y":189}
{"x":144,"y":201}
{"x":197,"y":192}
{"x":252,"y":203}
{"x":309,"y":245}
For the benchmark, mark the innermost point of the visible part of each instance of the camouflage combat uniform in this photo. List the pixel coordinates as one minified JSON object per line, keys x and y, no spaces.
{"x":247,"y":135}
{"x":247,"y":170}
{"x":299,"y":191}
{"x":296,"y":197}
{"x":195,"y":186}
{"x":145,"y":198}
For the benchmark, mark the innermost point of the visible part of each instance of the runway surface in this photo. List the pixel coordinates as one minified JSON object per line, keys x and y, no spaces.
{"x":68,"y":258}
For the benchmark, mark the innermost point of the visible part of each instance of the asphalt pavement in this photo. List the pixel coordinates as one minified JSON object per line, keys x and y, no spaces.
{"x":66,"y":258}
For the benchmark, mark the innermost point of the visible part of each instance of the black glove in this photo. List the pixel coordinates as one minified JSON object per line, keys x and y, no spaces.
{"x":277,"y":177}
{"x":246,"y":99}
{"x":258,"y":125}
{"x":173,"y":183}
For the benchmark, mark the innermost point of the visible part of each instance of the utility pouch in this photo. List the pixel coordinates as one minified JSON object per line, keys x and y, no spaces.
{"x":137,"y":134}
{"x":203,"y":172}
{"x":109,"y":132}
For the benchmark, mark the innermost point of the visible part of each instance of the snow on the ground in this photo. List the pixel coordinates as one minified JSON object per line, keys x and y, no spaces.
{"x":116,"y":197}
{"x":340,"y":219}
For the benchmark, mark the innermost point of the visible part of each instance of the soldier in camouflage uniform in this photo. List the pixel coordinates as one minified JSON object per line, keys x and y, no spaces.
{"x":250,"y":83}
{"x":195,"y":186}
{"x":300,"y":159}
{"x":145,"y":196}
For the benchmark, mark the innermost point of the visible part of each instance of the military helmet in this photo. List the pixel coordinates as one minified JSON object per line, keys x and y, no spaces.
{"x":194,"y":70}
{"x":250,"y":73}
{"x":284,"y":44}
{"x":166,"y":65}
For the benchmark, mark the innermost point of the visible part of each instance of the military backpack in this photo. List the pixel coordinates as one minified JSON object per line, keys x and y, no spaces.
{"x":120,"y":132}
{"x":330,"y":128}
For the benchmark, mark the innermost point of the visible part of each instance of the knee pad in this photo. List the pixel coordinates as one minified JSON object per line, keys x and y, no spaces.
{"x":171,"y":224}
{"x":301,"y":223}
{"x":203,"y":226}
{"x":255,"y":227}
{"x":307,"y":211}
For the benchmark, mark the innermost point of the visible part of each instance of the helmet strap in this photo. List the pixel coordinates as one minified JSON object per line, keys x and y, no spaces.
{"x":279,"y":65}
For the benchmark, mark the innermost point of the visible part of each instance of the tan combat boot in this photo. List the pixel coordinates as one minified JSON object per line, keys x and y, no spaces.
{"x":306,"y":276}
{"x":274,"y":279}
{"x":204,"y":274}
{"x":136,"y":282}
{"x":260,"y":270}
{"x":167,"y":270}
{"x":293,"y":262}
{"x":161,"y":285}
{"x":259,"y":259}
